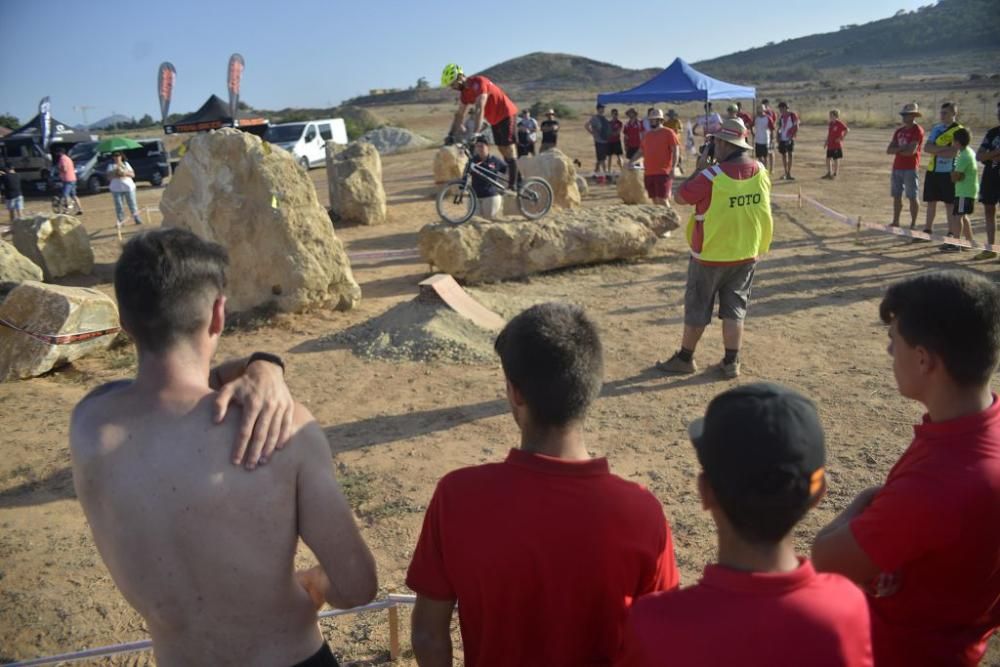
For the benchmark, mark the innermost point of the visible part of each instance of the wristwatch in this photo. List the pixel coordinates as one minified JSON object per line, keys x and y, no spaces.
{"x":268,"y":357}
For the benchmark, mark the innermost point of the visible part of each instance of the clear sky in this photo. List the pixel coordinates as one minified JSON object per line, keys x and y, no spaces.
{"x":316,"y":53}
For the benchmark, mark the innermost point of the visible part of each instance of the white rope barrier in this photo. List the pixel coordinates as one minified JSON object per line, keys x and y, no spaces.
{"x":391,"y":602}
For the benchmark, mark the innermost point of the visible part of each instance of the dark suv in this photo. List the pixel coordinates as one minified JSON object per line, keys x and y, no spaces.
{"x":150,"y":163}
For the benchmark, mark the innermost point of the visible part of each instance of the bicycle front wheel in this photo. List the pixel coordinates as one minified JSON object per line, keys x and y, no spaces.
{"x":456,"y":202}
{"x":534,"y":199}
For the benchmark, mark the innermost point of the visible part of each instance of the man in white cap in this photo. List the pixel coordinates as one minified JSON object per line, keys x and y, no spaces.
{"x":905,"y":146}
{"x":731,"y":227}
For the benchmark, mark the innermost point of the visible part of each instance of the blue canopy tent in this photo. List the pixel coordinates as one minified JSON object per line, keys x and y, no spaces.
{"x":680,"y":83}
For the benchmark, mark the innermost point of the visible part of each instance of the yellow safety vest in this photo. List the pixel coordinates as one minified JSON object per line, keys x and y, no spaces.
{"x":738,"y":223}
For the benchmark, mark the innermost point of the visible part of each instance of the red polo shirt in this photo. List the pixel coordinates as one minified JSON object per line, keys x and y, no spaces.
{"x":934,"y":530}
{"x":752,"y":619}
{"x":544,"y":557}
{"x":498,"y":105}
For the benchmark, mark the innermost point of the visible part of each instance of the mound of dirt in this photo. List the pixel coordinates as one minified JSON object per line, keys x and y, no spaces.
{"x":388,"y":140}
{"x":419,"y":330}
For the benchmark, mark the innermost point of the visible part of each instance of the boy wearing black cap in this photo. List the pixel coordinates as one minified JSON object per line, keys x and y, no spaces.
{"x":762,"y":455}
{"x":926,"y":544}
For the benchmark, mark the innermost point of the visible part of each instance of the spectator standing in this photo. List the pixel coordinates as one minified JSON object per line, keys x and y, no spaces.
{"x":67,"y":176}
{"x":528,"y":127}
{"x":743,"y":115}
{"x":937,"y":184}
{"x":544,"y":552}
{"x":788,"y":128}
{"x":10,"y":187}
{"x":658,"y":151}
{"x":490,"y":203}
{"x":550,"y":131}
{"x":762,"y":456}
{"x":836,"y":131}
{"x":772,"y":147}
{"x":730,"y":229}
{"x":674,"y":123}
{"x":966,"y":179}
{"x":122,"y":185}
{"x":632,"y":134}
{"x":905,"y":145}
{"x":924,"y":545}
{"x":646,"y":127}
{"x":710,"y":122}
{"x":600,"y":129}
{"x":989,"y":188}
{"x":763,"y":129}
{"x":615,"y":140}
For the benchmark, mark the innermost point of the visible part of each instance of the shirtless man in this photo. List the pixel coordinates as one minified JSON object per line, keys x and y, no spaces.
{"x":203,"y":549}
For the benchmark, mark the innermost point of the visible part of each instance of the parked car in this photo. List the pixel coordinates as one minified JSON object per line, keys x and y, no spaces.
{"x":150,"y":163}
{"x":307,"y":140}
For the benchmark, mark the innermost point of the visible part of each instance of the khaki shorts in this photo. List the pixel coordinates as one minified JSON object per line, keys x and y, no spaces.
{"x":731,"y":284}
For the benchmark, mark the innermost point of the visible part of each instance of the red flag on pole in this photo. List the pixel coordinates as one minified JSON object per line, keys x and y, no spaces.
{"x":165,"y":87}
{"x":235,"y":74}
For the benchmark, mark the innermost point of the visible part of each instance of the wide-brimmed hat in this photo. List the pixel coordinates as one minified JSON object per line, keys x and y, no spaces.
{"x":733,"y":131}
{"x":911,"y":109}
{"x":654,"y":114}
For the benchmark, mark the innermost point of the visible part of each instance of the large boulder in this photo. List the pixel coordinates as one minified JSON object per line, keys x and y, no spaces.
{"x":52,"y":310}
{"x":389,"y":140}
{"x":558,"y":170}
{"x":15,"y":267}
{"x":632,"y":187}
{"x":480,"y":251}
{"x":59,"y":245}
{"x":355,"y":180}
{"x":449,"y":163}
{"x":234,"y":189}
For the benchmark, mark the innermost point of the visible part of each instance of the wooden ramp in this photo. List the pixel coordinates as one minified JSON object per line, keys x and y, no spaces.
{"x":442,"y":287}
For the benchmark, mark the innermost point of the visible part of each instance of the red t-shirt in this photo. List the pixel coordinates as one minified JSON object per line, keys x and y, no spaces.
{"x":544,"y":557}
{"x":745,"y":117}
{"x":835,"y":134}
{"x":934,"y":528}
{"x":773,"y":115}
{"x":616,"y":130}
{"x":633,"y":133}
{"x":752,"y":619}
{"x":658,"y":152}
{"x":498,"y":105}
{"x":904,"y":136}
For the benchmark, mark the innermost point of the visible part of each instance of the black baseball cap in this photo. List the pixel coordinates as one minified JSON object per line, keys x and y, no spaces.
{"x":482,"y":139}
{"x":762,"y":441}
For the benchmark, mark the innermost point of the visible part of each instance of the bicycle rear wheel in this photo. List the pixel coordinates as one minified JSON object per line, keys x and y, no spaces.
{"x":456,"y":202}
{"x":534,"y":199}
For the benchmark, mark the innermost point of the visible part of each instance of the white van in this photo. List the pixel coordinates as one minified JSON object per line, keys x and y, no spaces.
{"x":306,"y":140}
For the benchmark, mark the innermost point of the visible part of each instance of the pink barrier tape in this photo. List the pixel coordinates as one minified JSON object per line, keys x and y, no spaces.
{"x":389,"y":602}
{"x":60,"y":339}
{"x":374,"y":255}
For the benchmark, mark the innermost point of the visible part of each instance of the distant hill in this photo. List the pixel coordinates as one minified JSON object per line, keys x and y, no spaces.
{"x":561,"y":71}
{"x":958,"y":36}
{"x":105,"y":122}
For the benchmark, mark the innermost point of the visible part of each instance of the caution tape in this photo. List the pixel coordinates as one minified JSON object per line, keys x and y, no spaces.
{"x":61,"y":339}
{"x":374,"y":255}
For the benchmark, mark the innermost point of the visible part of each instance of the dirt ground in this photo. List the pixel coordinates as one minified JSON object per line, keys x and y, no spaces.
{"x":396,"y":427}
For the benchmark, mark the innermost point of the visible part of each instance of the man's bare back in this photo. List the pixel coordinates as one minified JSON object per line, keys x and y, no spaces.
{"x":201,"y":548}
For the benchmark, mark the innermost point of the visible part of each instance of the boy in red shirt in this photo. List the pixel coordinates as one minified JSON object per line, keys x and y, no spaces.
{"x":544,"y":552}
{"x":632,"y":133}
{"x":762,"y":455}
{"x":834,"y":144}
{"x":926,"y":544}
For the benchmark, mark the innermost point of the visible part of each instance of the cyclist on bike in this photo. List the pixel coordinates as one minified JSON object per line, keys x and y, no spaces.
{"x":493,"y":105}
{"x":486,"y":191}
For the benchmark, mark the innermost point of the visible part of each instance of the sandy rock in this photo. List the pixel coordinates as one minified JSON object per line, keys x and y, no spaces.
{"x":51,"y":310}
{"x":389,"y":140}
{"x":234,"y":189}
{"x":632,"y":188}
{"x":558,"y":170}
{"x":581,"y":185}
{"x":356,"y":192}
{"x":449,"y":163}
{"x":15,"y":267}
{"x":58,"y":244}
{"x":480,"y":251}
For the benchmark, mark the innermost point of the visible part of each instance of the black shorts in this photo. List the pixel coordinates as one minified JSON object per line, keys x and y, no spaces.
{"x":938,"y":187}
{"x":503,"y":132}
{"x":760,"y":150}
{"x":630,"y":152}
{"x":834,"y":153}
{"x":525,"y":149}
{"x":962,"y":206}
{"x":322,"y":658}
{"x":601,"y":150}
{"x":786,"y":147}
{"x":989,"y":187}
{"x":614,"y":147}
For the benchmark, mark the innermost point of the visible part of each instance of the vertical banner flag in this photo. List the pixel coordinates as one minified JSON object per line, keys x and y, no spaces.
{"x":235,"y":74}
{"x":165,"y":87}
{"x":45,"y":118}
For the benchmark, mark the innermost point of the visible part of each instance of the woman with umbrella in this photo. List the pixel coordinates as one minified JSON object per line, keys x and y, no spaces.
{"x":121,"y":175}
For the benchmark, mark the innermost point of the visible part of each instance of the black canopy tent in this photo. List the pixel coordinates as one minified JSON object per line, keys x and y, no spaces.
{"x":59,"y":133}
{"x":214,"y":114}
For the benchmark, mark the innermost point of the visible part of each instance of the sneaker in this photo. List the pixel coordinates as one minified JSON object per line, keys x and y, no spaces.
{"x":986,"y":254}
{"x":730,"y":371}
{"x":827,"y":176}
{"x":138,"y":221}
{"x":676,"y":365}
{"x":949,"y":247}
{"x":790,"y":178}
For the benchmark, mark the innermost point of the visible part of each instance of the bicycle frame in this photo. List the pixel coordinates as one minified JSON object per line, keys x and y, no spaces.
{"x":473,"y":168}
